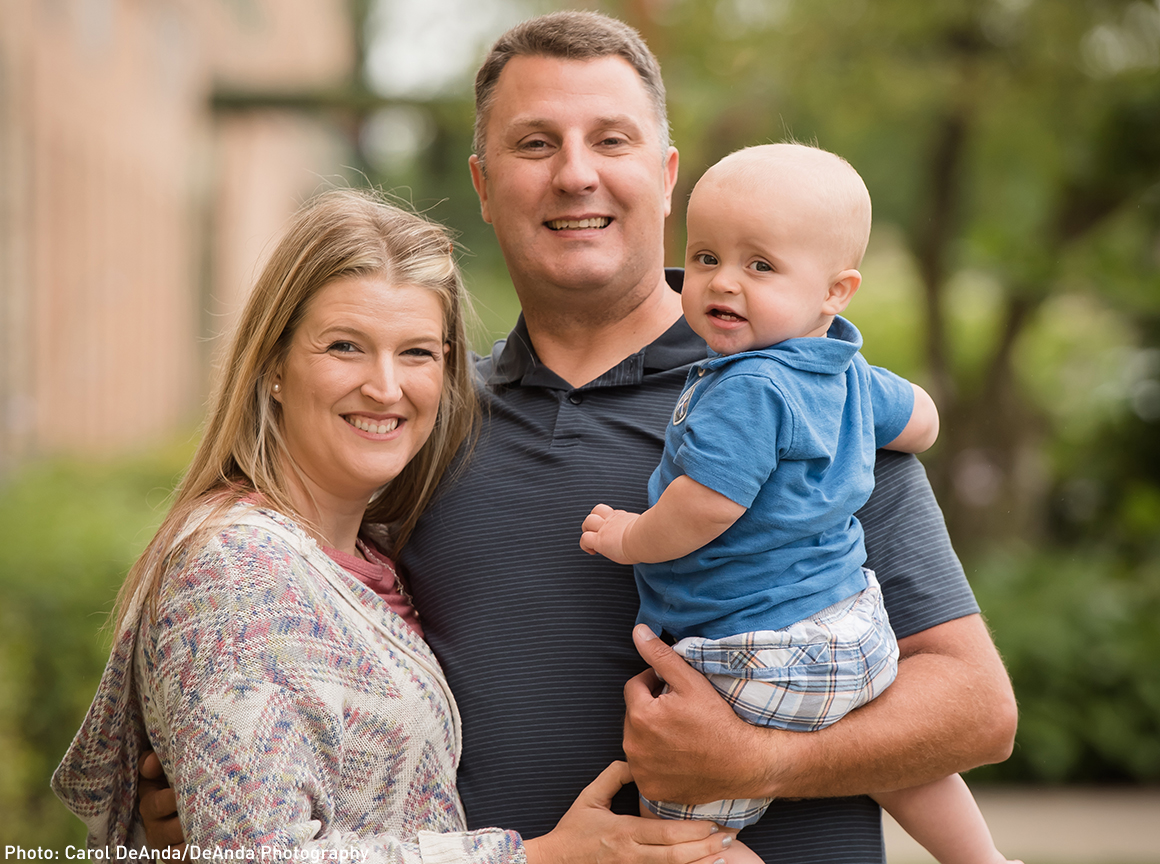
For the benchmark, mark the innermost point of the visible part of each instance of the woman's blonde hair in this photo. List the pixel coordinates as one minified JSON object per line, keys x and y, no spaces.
{"x":343,"y":232}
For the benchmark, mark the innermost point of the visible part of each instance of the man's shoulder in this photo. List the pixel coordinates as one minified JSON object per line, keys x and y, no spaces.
{"x":484,"y":364}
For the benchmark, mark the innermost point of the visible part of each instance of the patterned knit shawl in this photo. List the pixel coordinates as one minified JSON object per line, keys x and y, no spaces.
{"x":98,"y":776}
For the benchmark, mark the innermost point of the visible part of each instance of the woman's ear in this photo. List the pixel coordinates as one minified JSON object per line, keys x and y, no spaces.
{"x":842,"y":291}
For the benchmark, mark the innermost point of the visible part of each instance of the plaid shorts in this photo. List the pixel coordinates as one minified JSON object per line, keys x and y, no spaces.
{"x":801,"y":678}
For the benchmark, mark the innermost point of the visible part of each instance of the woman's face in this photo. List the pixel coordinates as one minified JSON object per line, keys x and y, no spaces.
{"x":360,"y":385}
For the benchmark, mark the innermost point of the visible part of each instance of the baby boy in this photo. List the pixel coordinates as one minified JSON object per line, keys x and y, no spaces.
{"x":750,"y":555}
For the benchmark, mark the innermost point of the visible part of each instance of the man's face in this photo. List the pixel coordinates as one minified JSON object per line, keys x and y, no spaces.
{"x":578,"y":183}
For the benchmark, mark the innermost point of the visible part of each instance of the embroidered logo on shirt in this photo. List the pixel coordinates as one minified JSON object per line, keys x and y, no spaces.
{"x":682,"y":409}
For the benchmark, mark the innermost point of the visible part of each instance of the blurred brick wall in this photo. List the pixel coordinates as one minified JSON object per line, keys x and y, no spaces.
{"x":131,"y":217}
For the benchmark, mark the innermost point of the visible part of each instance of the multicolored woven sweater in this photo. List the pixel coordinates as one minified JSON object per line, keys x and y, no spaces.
{"x":290,"y":708}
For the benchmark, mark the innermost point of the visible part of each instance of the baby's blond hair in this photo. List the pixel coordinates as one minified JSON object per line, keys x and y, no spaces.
{"x":834,"y":188}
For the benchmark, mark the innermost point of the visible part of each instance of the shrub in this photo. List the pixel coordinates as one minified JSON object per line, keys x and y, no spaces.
{"x":68,"y":534}
{"x":1079,"y":635}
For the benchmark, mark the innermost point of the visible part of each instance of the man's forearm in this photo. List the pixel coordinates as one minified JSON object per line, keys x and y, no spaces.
{"x":950,"y":709}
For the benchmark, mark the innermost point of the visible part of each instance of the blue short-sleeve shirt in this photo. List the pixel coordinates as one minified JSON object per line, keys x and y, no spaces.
{"x":790,"y":433}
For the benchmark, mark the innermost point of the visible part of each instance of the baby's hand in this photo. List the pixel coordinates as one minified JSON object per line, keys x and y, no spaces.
{"x":604,"y":533}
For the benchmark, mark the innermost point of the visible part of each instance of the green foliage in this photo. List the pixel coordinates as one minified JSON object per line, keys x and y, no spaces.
{"x":1012,"y":151}
{"x":1079,"y":636}
{"x":68,"y":534}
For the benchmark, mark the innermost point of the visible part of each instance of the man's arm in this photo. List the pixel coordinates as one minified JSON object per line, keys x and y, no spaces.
{"x":950,"y":709}
{"x":157,"y":804}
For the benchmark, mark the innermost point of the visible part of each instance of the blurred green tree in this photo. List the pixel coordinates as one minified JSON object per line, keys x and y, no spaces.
{"x":1013,"y":141}
{"x":1012,"y":150}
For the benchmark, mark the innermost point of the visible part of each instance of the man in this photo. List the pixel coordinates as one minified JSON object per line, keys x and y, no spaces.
{"x":575,"y":173}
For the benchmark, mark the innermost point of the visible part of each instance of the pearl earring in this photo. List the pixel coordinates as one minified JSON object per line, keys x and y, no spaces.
{"x":277,"y":388}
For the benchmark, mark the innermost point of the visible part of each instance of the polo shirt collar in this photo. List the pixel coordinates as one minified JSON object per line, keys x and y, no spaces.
{"x":828,"y":356}
{"x":517,"y":363}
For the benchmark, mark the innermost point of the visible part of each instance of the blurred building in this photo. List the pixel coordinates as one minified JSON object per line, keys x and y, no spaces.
{"x":147,"y":157}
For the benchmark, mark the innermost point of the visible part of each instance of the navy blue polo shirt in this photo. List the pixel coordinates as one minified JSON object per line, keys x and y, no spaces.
{"x":535,"y":635}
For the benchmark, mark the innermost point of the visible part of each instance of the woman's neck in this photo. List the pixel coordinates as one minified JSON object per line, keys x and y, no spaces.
{"x":332,"y":521}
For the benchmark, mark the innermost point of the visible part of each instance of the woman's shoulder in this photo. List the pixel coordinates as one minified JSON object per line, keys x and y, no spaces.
{"x":244,"y":548}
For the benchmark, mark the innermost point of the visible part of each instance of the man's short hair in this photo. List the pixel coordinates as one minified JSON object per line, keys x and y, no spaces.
{"x":569,"y":35}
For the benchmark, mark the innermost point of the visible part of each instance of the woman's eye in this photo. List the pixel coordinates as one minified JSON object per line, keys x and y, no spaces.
{"x":342,"y":347}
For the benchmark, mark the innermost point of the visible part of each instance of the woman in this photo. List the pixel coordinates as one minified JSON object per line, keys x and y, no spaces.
{"x":265,"y":650}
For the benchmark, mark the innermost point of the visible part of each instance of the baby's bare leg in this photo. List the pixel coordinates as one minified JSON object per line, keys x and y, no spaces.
{"x":945,"y":819}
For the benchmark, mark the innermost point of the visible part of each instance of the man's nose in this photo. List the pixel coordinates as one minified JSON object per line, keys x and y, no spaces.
{"x":576,"y":171}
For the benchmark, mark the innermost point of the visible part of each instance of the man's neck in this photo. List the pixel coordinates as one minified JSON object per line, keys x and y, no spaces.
{"x":582,"y":343}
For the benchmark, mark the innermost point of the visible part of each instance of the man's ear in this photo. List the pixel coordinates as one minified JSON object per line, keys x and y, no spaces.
{"x":842,"y":291}
{"x":672,"y":162}
{"x":479,"y":181}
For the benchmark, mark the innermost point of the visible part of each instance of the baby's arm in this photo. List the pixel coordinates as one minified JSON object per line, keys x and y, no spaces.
{"x":922,"y":429}
{"x":685,"y":518}
{"x":945,"y":819}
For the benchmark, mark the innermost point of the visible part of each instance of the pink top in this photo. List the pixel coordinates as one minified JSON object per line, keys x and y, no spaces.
{"x":377,"y":572}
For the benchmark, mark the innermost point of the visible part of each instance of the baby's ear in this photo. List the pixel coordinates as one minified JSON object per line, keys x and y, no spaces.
{"x":841,"y":292}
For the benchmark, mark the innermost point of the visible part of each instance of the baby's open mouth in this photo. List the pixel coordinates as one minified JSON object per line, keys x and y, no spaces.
{"x":725,"y":315}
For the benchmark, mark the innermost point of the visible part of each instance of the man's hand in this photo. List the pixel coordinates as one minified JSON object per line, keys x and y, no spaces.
{"x":157,"y":805}
{"x":950,"y":709}
{"x":604,"y":534}
{"x":685,"y":744}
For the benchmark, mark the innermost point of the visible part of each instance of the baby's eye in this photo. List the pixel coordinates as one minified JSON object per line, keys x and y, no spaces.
{"x":762,"y":266}
{"x":707,"y":259}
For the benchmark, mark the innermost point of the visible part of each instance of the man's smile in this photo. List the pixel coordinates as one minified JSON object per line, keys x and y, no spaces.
{"x":573,"y":224}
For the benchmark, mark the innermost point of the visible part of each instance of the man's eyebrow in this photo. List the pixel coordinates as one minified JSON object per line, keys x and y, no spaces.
{"x":618,"y":120}
{"x":531,"y":123}
{"x":536,"y":123}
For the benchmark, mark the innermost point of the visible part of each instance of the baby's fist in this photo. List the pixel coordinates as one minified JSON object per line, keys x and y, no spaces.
{"x":604,"y":531}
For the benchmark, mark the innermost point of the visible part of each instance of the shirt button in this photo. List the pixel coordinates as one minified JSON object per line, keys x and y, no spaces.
{"x":575,"y":398}
{"x":700,"y":372}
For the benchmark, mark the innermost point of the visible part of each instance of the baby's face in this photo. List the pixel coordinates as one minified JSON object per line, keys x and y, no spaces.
{"x":756,"y":270}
